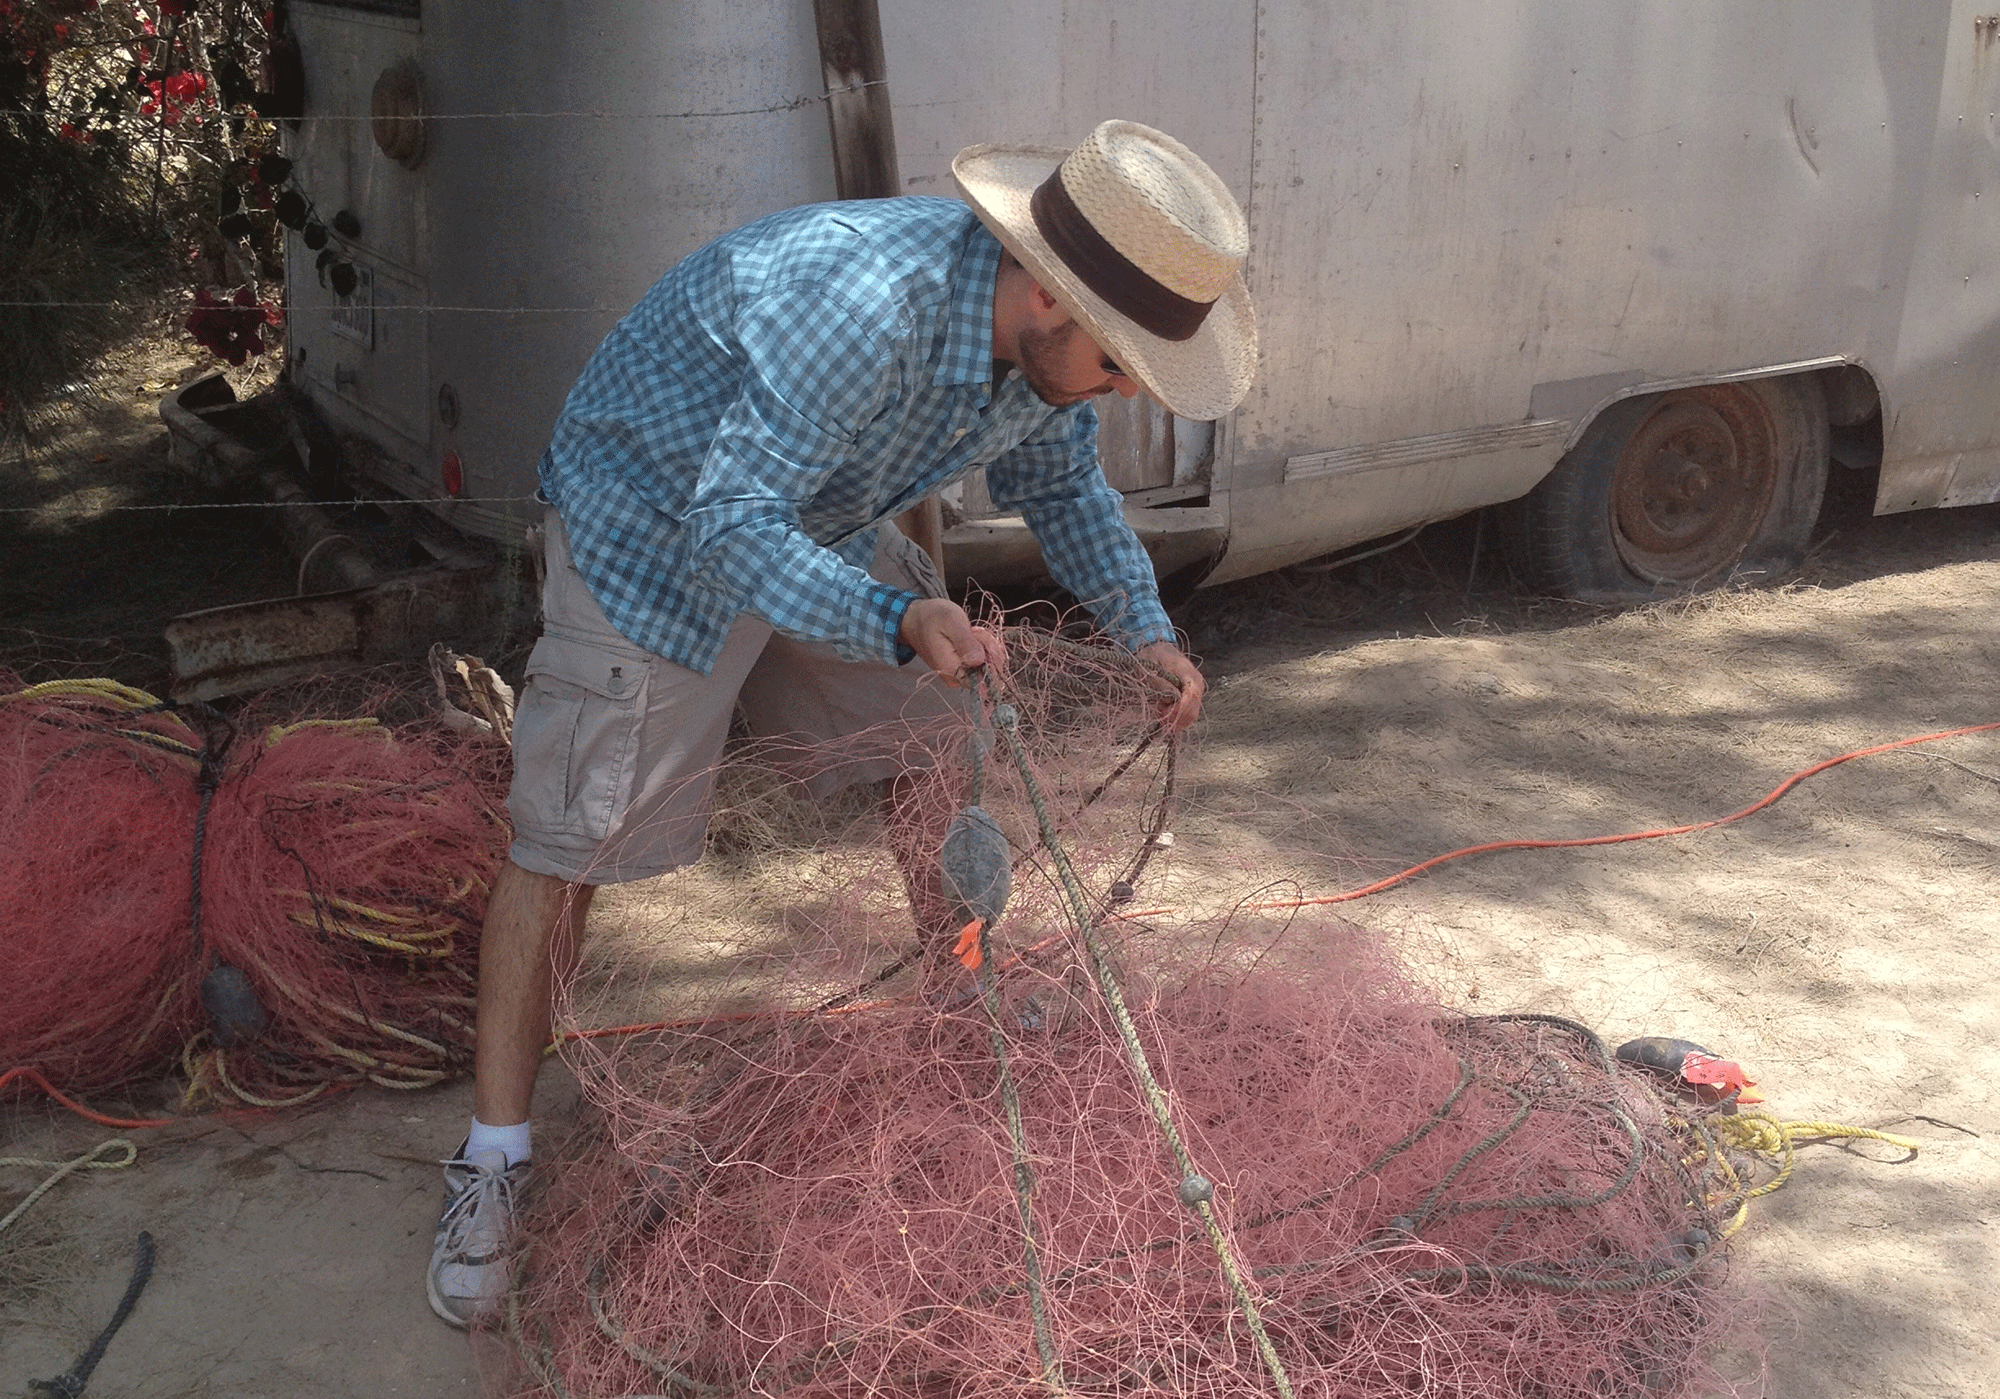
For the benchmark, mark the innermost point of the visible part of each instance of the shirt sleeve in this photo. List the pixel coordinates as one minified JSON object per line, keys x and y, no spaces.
{"x":1053,"y":478}
{"x":818,"y":371}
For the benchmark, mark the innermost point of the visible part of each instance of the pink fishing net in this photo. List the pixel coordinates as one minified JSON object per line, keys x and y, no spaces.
{"x":1156,"y":1144}
{"x":342,"y":875}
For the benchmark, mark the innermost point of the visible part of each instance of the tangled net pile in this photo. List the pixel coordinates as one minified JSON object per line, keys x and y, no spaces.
{"x":1166,"y":1153}
{"x":280,"y":911}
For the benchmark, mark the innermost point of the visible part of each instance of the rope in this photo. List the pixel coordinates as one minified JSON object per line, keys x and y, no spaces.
{"x":978,"y":744}
{"x":1024,"y":1175}
{"x":608,"y":1327}
{"x":207,"y":780}
{"x":1195,"y":1191}
{"x":1765,"y":1136}
{"x":109,"y":692}
{"x":89,"y":1161}
{"x":71,"y":1382}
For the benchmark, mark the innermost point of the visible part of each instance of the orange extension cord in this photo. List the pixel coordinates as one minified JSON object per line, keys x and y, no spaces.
{"x":1776,"y":792}
{"x":31,"y":1076}
{"x":1347,"y":896}
{"x":1400,"y":877}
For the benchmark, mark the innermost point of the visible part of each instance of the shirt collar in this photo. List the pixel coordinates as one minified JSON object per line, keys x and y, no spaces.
{"x":965,"y":351}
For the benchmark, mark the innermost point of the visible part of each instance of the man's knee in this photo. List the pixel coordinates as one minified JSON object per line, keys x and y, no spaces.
{"x":528,"y":900}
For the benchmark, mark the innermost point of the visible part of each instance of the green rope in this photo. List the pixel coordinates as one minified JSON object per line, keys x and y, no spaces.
{"x":1195,"y":1191}
{"x":1024,"y":1175}
{"x":608,"y":1327}
{"x":1389,"y":1153}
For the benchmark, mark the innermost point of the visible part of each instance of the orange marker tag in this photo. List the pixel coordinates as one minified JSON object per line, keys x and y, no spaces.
{"x":967,"y":949}
{"x":1721,"y":1075}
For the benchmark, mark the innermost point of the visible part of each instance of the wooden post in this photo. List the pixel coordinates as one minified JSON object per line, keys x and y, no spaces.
{"x":864,"y":158}
{"x":857,"y":99}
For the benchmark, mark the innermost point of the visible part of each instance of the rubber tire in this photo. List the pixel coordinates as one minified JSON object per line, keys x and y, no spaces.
{"x":1563,"y":538}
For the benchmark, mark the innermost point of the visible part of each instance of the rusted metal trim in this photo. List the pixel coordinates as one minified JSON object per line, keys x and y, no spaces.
{"x":1420,"y":451}
{"x":255,"y":645}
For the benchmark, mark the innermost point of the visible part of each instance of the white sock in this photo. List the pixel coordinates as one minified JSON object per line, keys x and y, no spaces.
{"x":511,"y":1141}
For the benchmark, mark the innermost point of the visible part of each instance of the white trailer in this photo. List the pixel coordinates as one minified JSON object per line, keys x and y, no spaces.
{"x":1639,"y":268}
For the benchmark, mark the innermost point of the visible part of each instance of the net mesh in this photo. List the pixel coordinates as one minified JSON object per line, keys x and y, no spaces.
{"x":322,"y":882}
{"x":1182,"y":1148}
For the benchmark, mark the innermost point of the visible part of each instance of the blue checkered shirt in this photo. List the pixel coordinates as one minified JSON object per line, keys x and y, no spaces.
{"x":734,"y":443}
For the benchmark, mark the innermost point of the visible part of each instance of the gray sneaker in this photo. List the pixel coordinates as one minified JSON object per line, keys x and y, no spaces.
{"x":469,"y":1258}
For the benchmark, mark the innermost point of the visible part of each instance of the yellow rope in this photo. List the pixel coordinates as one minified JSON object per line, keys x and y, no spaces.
{"x":1777,"y":1143}
{"x":108,"y":691}
{"x":113,"y":695}
{"x":277,"y":733}
{"x":411,"y":944}
{"x":425,"y":931}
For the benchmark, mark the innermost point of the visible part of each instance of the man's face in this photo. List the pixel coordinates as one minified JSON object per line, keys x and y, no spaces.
{"x":1065,"y":366}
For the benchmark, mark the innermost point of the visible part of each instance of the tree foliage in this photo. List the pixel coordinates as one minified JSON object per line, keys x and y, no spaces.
{"x":140,"y":166}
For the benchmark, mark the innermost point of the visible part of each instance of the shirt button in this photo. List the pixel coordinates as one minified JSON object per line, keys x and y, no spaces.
{"x":960,"y":433}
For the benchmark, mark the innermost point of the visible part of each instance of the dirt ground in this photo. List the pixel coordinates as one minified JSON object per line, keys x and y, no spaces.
{"x":1360,"y":720}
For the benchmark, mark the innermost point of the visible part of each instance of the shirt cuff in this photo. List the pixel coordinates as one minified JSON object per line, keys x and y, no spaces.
{"x":890,"y":604}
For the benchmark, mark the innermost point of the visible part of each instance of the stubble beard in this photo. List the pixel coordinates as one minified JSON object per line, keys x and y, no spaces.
{"x":1042,"y":349}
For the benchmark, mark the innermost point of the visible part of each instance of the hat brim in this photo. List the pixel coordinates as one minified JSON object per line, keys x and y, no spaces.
{"x":1202,"y":377}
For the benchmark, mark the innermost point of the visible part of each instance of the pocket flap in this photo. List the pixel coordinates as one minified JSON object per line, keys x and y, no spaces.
{"x":613,"y":674}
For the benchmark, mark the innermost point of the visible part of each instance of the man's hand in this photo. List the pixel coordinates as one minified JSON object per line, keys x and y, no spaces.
{"x":944,"y":638}
{"x":1170,"y":658}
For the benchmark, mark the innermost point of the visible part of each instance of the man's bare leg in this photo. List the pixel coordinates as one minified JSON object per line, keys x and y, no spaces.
{"x":534,"y":931}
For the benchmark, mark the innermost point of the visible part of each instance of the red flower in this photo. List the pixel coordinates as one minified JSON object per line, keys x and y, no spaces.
{"x":230,"y":330}
{"x":173,"y":93}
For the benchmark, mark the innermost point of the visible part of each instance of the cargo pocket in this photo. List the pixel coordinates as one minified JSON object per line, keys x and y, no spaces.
{"x":576,"y":738}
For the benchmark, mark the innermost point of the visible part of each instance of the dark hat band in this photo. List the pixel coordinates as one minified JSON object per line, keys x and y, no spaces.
{"x":1128,"y":288}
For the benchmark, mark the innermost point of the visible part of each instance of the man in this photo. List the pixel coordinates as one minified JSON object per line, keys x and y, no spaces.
{"x":720,"y":481}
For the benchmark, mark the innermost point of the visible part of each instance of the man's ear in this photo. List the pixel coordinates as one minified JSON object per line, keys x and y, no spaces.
{"x":1049,"y":313}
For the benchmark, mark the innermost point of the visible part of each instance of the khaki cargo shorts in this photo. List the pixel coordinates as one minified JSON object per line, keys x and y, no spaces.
{"x":615,"y":749}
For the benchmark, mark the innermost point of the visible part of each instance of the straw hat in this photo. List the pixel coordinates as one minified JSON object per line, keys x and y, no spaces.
{"x":1142,"y":243}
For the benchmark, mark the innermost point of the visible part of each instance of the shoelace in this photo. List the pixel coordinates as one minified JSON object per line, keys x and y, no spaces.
{"x":484,"y":1190}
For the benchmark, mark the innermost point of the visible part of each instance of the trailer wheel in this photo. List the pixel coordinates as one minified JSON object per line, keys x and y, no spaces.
{"x":1671,"y":491}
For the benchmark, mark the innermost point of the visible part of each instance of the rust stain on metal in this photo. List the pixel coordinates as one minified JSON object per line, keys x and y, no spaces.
{"x":251,"y":646}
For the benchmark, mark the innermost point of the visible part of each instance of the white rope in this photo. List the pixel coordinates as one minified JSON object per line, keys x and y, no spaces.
{"x":87,"y":1162}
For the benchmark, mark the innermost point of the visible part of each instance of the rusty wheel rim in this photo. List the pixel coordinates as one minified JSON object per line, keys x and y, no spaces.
{"x":1693,"y":483}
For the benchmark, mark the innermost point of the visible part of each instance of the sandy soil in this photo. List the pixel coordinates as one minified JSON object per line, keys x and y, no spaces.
{"x":1362,"y":720}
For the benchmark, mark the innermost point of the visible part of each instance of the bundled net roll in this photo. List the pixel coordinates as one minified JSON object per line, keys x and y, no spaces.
{"x":280,"y":911}
{"x":94,"y":803}
{"x":1132,"y":1153}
